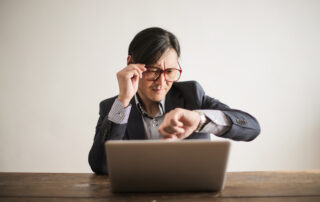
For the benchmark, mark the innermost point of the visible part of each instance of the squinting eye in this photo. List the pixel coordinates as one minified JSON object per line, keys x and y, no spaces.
{"x":170,"y":71}
{"x":153,"y":71}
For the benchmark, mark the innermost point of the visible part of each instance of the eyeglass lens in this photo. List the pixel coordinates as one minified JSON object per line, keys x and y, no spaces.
{"x":153,"y":73}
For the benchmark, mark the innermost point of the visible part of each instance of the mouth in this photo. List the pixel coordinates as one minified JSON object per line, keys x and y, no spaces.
{"x":156,"y":90}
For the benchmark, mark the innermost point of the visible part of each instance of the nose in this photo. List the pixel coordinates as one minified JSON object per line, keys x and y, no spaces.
{"x":161,"y":79}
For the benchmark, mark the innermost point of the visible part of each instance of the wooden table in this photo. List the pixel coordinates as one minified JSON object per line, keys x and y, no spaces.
{"x":303,"y":186}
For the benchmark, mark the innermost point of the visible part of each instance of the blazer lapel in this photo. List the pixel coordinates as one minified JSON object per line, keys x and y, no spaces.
{"x":135,"y":128}
{"x":174,"y":99}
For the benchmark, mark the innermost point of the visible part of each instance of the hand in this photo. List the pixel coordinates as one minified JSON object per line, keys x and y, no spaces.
{"x":128,"y":79}
{"x":179,"y":124}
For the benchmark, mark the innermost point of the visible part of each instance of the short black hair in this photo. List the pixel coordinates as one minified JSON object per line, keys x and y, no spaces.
{"x":149,"y":44}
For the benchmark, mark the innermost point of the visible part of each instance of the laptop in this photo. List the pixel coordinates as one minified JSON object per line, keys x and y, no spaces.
{"x":167,"y":166}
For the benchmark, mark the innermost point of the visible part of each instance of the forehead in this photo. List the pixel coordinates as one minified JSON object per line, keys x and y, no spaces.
{"x":168,"y":59}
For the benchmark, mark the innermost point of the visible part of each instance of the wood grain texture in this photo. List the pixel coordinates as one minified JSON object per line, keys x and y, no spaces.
{"x":240,"y":186}
{"x":268,"y":199}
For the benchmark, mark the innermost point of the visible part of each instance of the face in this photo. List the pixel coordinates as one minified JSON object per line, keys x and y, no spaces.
{"x":155,"y":91}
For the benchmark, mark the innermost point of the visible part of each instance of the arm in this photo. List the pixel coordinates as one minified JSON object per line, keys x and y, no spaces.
{"x":97,"y":156}
{"x":113,"y":126}
{"x":243,"y":126}
{"x":216,"y":123}
{"x":233,"y":124}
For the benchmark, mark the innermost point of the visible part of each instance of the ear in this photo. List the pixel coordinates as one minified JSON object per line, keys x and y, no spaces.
{"x":128,"y":59}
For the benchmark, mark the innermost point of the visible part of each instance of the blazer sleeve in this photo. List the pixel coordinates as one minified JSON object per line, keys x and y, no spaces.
{"x":105,"y":130}
{"x":244,"y":127}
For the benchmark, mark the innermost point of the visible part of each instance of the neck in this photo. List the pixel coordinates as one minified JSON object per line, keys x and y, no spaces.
{"x":151,"y":107}
{"x":152,"y":110}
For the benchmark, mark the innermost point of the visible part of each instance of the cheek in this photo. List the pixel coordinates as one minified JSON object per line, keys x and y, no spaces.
{"x":169,"y":85}
{"x":143,"y":84}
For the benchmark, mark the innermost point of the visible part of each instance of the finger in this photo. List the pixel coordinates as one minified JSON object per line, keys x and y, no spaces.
{"x":141,"y":70}
{"x":187,"y":133}
{"x":137,"y":70}
{"x":174,"y":118}
{"x":180,"y":136}
{"x":134,"y":75}
{"x":171,"y":138}
{"x":167,"y":134}
{"x":173,"y":129}
{"x":132,"y":72}
{"x":164,"y":133}
{"x":142,"y":67}
{"x":167,"y":137}
{"x":175,"y":122}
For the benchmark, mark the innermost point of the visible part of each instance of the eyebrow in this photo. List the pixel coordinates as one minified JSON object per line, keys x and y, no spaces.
{"x":159,"y":67}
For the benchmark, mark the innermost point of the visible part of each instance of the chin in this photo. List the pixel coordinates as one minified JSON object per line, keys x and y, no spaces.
{"x":157,"y":98}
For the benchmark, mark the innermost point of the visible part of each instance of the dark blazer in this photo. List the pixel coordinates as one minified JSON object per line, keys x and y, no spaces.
{"x":187,"y":95}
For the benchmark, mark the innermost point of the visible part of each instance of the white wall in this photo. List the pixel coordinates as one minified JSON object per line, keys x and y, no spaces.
{"x":58,"y":60}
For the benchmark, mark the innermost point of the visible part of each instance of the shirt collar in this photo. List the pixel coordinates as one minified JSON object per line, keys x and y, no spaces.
{"x":143,"y":112}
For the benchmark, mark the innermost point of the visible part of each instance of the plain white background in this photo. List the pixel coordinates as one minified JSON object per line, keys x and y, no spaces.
{"x":58,"y":60}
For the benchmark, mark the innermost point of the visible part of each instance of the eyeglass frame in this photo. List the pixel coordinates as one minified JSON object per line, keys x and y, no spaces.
{"x":164,"y":72}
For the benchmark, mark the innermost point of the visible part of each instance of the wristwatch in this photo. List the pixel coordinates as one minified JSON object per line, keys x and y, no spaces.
{"x":203,"y":121}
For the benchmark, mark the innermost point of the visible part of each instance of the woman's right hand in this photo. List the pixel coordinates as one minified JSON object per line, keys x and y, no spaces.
{"x":128,"y":80}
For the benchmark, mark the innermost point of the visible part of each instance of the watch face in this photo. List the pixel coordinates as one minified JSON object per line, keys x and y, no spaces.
{"x":202,"y":117}
{"x":202,"y":121}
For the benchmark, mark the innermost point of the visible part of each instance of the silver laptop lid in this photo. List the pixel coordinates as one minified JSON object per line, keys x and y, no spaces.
{"x":163,"y":166}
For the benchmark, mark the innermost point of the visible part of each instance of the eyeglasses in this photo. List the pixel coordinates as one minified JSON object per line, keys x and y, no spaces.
{"x":170,"y":74}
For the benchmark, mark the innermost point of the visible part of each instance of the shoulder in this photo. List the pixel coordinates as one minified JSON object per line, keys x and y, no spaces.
{"x":189,"y":87}
{"x":190,"y":91}
{"x":186,"y":84}
{"x":105,"y":105}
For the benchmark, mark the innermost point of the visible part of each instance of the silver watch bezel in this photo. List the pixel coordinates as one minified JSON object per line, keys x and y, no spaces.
{"x":202,"y":120}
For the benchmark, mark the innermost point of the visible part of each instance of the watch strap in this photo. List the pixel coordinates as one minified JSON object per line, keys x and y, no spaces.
{"x":202,"y":122}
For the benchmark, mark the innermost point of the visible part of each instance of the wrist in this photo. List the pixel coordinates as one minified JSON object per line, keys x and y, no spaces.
{"x":202,"y":121}
{"x":125,"y":102}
